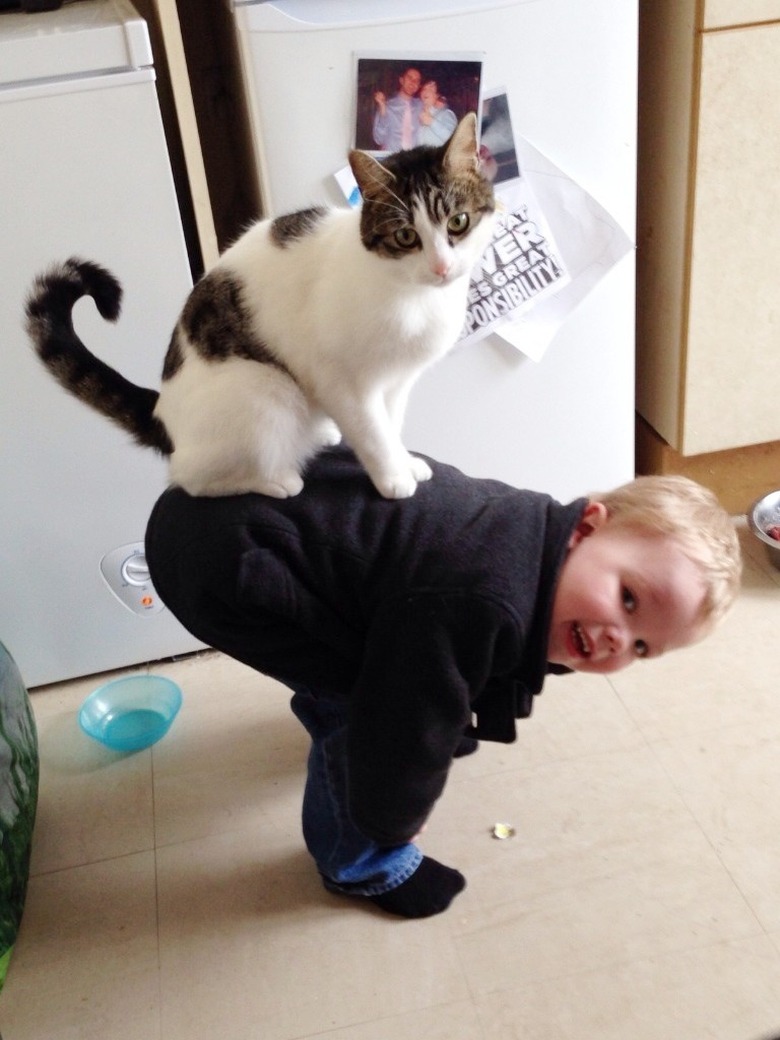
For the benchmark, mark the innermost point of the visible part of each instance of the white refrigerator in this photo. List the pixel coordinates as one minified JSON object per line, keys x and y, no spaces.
{"x":565,"y":423}
{"x":84,"y":170}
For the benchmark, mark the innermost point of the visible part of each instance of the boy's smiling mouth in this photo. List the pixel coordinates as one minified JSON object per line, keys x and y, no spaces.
{"x":579,"y":640}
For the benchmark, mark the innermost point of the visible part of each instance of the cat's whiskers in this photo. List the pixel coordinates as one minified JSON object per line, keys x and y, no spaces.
{"x":398,"y":209}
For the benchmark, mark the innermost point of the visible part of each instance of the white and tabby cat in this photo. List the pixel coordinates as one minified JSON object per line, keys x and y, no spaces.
{"x":309,"y":326}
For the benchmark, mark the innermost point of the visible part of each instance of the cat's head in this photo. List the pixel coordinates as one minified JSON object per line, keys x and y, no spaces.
{"x":430,"y":209}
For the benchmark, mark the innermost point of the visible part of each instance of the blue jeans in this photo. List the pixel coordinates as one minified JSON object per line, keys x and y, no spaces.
{"x":348,"y":862}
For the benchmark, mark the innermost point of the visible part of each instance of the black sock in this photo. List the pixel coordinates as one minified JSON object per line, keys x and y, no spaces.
{"x":429,"y":890}
{"x":467,"y":746}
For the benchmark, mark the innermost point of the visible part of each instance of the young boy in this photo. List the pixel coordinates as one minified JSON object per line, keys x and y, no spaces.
{"x":409,"y":629}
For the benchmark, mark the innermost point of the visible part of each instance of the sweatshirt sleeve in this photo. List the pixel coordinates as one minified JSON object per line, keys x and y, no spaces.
{"x":427,"y":657}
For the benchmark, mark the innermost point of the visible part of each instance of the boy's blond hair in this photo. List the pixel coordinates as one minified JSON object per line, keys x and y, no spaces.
{"x":700,"y":526}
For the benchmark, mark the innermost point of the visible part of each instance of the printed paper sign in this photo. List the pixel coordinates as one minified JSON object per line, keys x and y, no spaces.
{"x":520,"y":266}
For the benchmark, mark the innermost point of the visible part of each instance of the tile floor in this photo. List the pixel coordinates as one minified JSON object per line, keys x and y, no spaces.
{"x":171,"y":897}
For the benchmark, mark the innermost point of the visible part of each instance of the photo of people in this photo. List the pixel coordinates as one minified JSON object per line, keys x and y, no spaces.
{"x":405,"y":102}
{"x":497,"y":140}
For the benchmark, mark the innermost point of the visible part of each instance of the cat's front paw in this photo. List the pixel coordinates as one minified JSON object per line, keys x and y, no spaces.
{"x":330,"y":435}
{"x":420,"y":469}
{"x":401,"y":484}
{"x":285,"y":486}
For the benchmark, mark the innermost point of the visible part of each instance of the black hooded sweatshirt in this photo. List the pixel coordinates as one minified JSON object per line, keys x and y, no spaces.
{"x":429,"y":615}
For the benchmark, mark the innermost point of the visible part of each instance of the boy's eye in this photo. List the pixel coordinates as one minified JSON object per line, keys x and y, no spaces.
{"x":406,"y":237}
{"x":641,"y":648}
{"x":629,"y":600}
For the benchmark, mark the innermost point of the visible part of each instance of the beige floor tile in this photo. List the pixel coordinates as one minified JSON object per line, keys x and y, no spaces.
{"x":575,"y":715}
{"x":249,"y":940}
{"x":579,"y":819}
{"x":123,"y":1005}
{"x":86,"y":951}
{"x":730,"y":780}
{"x":236,"y":754}
{"x":457,"y":1021}
{"x":93,"y":803}
{"x":678,"y":900}
{"x":729,"y":991}
{"x":607,"y":864}
{"x":775,"y":939}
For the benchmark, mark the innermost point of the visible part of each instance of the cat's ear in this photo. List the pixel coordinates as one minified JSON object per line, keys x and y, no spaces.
{"x":371,"y":176}
{"x":461,"y":153}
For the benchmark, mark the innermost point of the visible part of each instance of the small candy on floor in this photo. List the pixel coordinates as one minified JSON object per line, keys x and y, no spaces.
{"x":503,"y":831}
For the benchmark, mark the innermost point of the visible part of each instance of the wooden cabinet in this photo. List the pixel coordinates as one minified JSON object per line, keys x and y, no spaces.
{"x":720,"y":14}
{"x":708,"y":317}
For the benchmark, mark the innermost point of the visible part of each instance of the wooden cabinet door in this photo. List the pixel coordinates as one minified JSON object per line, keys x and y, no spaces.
{"x":732,"y":366}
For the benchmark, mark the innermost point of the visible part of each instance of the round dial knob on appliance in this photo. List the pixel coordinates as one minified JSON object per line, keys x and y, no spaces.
{"x":135,"y":570}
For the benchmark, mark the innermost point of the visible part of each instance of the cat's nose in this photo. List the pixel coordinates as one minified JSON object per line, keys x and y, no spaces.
{"x":441,"y":267}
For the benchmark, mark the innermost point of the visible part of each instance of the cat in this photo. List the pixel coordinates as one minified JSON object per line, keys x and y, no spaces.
{"x":310,"y":326}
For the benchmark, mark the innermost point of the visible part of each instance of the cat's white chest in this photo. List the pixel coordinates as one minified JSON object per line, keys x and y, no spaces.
{"x":428,"y":322}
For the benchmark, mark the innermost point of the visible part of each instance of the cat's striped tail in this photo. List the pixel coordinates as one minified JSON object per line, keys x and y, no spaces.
{"x":50,"y":326}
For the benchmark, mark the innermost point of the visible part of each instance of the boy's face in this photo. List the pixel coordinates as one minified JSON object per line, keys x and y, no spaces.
{"x":622,"y":595}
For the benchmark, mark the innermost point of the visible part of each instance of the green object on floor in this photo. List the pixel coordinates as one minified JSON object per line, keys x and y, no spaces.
{"x":18,"y":801}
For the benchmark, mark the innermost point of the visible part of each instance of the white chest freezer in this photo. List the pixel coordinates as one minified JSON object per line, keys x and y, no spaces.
{"x":83,"y":171}
{"x":565,"y":424}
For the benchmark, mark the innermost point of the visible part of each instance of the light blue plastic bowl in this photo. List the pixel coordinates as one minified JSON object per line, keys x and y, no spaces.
{"x":131,"y":713}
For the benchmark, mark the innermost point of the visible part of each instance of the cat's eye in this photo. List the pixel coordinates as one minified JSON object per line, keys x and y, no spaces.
{"x":629,"y":599}
{"x":459,"y":224}
{"x":406,"y":237}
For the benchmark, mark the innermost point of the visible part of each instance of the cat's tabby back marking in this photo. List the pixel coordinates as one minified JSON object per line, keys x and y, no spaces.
{"x":311,"y":325}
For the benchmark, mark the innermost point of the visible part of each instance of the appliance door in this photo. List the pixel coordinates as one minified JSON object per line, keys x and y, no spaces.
{"x":564,"y":425}
{"x":83,"y":171}
{"x":569,"y":69}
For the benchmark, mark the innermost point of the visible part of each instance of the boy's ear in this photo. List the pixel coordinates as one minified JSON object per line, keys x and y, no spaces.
{"x":594,"y":517}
